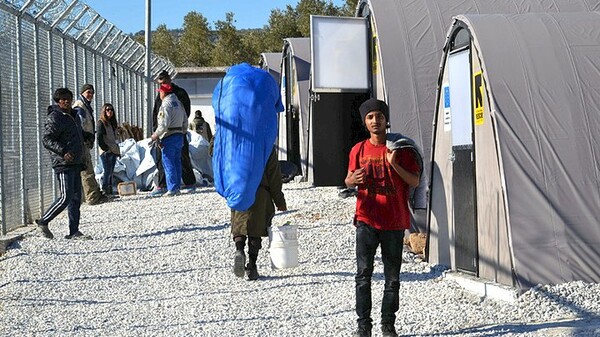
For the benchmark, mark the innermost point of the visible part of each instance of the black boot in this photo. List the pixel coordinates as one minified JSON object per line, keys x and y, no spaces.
{"x":252,"y":271}
{"x":254,"y":245}
{"x":239,"y":258}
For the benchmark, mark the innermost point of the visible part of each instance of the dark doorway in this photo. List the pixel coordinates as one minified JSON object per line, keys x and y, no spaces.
{"x":336,"y":127}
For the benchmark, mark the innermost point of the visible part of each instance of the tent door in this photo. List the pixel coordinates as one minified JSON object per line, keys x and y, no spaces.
{"x":292,"y":115}
{"x":463,"y":181}
{"x":336,"y":127}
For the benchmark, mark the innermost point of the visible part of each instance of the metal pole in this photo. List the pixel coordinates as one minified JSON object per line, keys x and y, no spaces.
{"x":51,"y":80}
{"x":148,"y":125}
{"x":3,"y":227}
{"x":21,"y":121}
{"x":39,"y":121}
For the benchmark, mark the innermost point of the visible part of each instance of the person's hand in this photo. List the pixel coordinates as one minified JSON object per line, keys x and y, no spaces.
{"x":391,"y":156}
{"x":358,"y":176}
{"x":154,"y":137}
{"x":282,"y":208}
{"x":69,"y":156}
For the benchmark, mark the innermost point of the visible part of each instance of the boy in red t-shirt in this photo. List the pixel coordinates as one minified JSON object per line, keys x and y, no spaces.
{"x":383,"y":178}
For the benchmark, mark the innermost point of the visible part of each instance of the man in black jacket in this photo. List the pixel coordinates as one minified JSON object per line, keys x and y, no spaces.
{"x":63,"y":138}
{"x":187,"y":174}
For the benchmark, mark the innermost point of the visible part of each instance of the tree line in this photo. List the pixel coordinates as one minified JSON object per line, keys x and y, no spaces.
{"x":197,"y":45}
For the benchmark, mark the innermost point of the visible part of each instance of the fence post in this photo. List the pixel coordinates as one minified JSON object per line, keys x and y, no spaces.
{"x":20,"y":112}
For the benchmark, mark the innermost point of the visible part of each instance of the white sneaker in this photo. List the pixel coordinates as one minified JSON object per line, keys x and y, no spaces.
{"x":171,"y":193}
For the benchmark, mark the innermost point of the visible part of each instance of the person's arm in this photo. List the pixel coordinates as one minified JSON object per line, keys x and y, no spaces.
{"x":185,"y":125}
{"x":88,"y":138}
{"x":356,"y":174}
{"x":51,"y":139}
{"x":273,"y":173}
{"x":184,"y":98}
{"x":412,"y":179}
{"x":355,"y":177}
{"x":100,"y":136}
{"x":162,"y":119}
{"x":208,"y":131}
{"x":155,"y":109}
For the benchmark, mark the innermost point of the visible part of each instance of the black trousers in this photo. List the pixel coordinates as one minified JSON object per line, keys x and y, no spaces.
{"x":187,"y":173}
{"x":367,"y":241}
{"x":69,"y":184}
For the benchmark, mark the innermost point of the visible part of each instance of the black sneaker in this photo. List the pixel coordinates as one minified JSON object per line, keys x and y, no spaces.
{"x":388,"y":330}
{"x":362,"y":332}
{"x":100,"y":200}
{"x":252,"y":272}
{"x":239,"y":260}
{"x":44,"y":229}
{"x":78,"y":236}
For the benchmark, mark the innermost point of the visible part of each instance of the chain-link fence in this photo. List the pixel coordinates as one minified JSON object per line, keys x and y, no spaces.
{"x":48,"y":44}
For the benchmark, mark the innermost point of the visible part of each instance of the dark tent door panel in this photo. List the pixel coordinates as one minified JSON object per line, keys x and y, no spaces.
{"x":292,"y":115}
{"x":336,"y":127}
{"x":463,"y":181}
{"x":464,"y":209}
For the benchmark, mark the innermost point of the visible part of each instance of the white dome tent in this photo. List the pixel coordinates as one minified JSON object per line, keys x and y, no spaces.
{"x":515,"y":159}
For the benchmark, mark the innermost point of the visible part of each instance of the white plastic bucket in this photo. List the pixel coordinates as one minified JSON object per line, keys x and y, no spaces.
{"x":283,"y":246}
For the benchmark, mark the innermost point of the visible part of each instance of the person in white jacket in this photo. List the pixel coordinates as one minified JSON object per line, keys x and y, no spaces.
{"x":172,"y":125}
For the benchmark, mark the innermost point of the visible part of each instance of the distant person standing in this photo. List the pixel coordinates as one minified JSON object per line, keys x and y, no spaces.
{"x":109,"y":147}
{"x":63,"y":138}
{"x":202,"y":127}
{"x":383,"y":178}
{"x":172,"y":123}
{"x":83,"y":108}
{"x":189,"y":179}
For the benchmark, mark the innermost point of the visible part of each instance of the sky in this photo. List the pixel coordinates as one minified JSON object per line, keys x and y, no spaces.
{"x":130,"y":15}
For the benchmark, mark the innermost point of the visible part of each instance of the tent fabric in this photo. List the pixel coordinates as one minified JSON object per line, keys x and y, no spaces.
{"x":410,"y":37}
{"x":271,"y":62}
{"x":542,"y":75}
{"x":246,"y":103}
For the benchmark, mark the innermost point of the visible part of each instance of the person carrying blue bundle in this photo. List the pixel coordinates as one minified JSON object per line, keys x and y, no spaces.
{"x":247,"y":174}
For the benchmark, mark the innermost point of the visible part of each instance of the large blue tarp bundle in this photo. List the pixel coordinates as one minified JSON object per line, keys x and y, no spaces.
{"x":246,"y":103}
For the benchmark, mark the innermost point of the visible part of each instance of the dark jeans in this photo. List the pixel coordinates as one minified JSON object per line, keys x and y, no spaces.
{"x":187,"y":172}
{"x":109,"y":160}
{"x":69,"y":185}
{"x":367,"y":241}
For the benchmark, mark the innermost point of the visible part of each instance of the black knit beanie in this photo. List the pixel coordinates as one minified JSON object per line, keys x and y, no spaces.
{"x":373,"y":104}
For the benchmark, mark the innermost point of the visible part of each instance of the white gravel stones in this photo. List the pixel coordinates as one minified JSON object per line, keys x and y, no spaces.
{"x":163,"y":267}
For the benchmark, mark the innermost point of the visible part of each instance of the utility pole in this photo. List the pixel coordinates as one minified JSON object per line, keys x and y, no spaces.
{"x":149,"y":93}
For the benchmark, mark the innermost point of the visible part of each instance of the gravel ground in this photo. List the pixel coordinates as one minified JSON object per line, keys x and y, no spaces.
{"x":163,"y":267}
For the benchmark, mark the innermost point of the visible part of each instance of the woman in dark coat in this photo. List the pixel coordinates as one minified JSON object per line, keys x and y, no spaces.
{"x":109,"y":147}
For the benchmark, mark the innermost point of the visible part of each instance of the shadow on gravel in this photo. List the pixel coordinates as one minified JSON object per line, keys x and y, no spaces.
{"x":288,"y":277}
{"x":571,"y":328}
{"x":435,"y":272}
{"x":111,"y":277}
{"x":183,"y":229}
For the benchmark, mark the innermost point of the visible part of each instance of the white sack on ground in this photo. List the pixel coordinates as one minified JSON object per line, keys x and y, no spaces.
{"x":201,"y":161}
{"x":137,"y":162}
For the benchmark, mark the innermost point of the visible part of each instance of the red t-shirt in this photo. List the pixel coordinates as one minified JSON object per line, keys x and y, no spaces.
{"x":382,"y":200}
